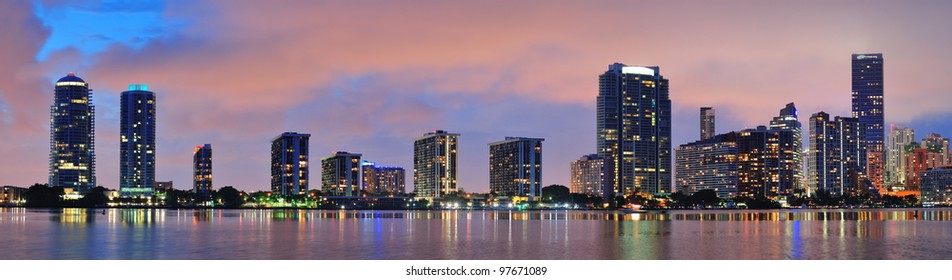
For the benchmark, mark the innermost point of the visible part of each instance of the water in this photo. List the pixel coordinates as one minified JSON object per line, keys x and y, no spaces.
{"x":304,"y":234}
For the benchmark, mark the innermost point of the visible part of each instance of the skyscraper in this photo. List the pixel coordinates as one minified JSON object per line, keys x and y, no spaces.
{"x":72,"y":135}
{"x":434,"y":164}
{"x":515,"y":167}
{"x":899,"y":138}
{"x":707,"y":122}
{"x":867,"y":74}
{"x":838,"y":156}
{"x":137,"y":142}
{"x":709,"y":164}
{"x":633,"y":122}
{"x":289,"y":164}
{"x":937,"y":144}
{"x":788,"y":120}
{"x":588,"y":175}
{"x":202,"y":170}
{"x":340,"y":174}
{"x":765,"y":163}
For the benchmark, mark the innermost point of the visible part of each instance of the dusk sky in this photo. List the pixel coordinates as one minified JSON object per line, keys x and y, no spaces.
{"x":369,"y":77}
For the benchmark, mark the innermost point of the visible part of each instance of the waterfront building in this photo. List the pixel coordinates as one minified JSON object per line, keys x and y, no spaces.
{"x":10,"y":195}
{"x":899,"y":138}
{"x":588,"y":175}
{"x":937,"y":144}
{"x":936,"y":187}
{"x":789,"y":120}
{"x":137,"y":142}
{"x":72,"y":135}
{"x":434,"y":164}
{"x":838,"y":156}
{"x":382,"y":180}
{"x":289,"y":164}
{"x":340,"y":174}
{"x":765,"y":163}
{"x":868,"y":105}
{"x":515,"y":167}
{"x":202,"y":170}
{"x":708,"y":164}
{"x":633,"y":121}
{"x":707,"y":122}
{"x":919,"y":160}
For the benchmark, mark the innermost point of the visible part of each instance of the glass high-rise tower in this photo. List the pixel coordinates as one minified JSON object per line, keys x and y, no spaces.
{"x":72,"y":135}
{"x":867,"y":74}
{"x":434,"y":164}
{"x":202,"y":170}
{"x":137,"y":142}
{"x":515,"y":167}
{"x":633,"y":122}
{"x":289,"y":164}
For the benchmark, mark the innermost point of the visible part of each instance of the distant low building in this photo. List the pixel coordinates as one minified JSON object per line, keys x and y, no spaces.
{"x":708,"y":164}
{"x":588,"y":175}
{"x":163,"y":186}
{"x":10,"y":195}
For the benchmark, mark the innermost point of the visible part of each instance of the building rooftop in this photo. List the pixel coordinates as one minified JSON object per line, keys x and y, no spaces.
{"x":71,"y":77}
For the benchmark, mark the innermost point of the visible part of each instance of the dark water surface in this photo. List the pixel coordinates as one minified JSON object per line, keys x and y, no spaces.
{"x":311,"y":234}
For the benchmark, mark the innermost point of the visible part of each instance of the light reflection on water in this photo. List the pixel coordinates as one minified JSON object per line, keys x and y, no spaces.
{"x":310,"y":234}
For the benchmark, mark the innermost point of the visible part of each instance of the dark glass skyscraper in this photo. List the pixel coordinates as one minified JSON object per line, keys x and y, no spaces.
{"x":202,"y":170}
{"x":515,"y":167}
{"x":788,"y":120}
{"x":838,"y":155}
{"x":633,"y":122}
{"x":72,"y":135}
{"x":340,"y":174}
{"x":867,"y":73}
{"x":137,"y":142}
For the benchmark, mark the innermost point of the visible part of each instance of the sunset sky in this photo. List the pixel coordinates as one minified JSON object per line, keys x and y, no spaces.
{"x":368,"y":77}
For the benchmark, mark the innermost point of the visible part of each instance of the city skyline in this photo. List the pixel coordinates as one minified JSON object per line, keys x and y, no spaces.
{"x":403,"y":89}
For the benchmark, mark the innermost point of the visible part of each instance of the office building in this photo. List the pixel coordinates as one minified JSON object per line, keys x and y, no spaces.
{"x":14,"y":196}
{"x":709,"y":164}
{"x":382,"y":180}
{"x":588,"y":175}
{"x":72,"y":135}
{"x":434,"y":164}
{"x":137,"y":142}
{"x":340,"y":174}
{"x":765,"y":163}
{"x":937,"y":144}
{"x":789,"y":120}
{"x":838,"y":155}
{"x":899,"y":138}
{"x":867,"y":99}
{"x":936,"y":187}
{"x":515,"y":167}
{"x":289,"y":164}
{"x":633,"y":122}
{"x":919,"y":160}
{"x":202,"y":170}
{"x":707,"y":122}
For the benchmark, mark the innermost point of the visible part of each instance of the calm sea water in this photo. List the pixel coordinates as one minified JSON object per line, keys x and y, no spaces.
{"x":303,"y":234}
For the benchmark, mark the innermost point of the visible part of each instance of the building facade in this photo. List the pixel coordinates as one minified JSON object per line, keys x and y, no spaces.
{"x":202,"y":170}
{"x":164,"y":186}
{"x":588,"y":175}
{"x":340,"y":174}
{"x":937,"y":144}
{"x":868,"y":105}
{"x":72,"y":135}
{"x":899,"y":138}
{"x":289,"y":164}
{"x":708,"y":164}
{"x":936,"y":187}
{"x":137,"y":142}
{"x":434,"y":164}
{"x":633,"y":122}
{"x":917,"y":161}
{"x":766,"y":165}
{"x":515,"y":167}
{"x":789,"y":120}
{"x":383,"y":180}
{"x":838,"y":155}
{"x":707,"y":122}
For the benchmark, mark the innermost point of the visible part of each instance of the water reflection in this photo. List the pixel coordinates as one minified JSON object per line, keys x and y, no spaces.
{"x":455,"y":234}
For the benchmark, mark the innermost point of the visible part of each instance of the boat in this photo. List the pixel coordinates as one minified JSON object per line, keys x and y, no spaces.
{"x":631,"y":208}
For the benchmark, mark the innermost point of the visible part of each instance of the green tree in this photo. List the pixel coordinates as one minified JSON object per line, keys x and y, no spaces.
{"x":231,"y":197}
{"x":41,"y":195}
{"x":556,"y":194}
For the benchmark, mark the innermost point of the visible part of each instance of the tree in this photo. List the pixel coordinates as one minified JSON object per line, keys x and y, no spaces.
{"x":96,"y":197}
{"x":556,"y":193}
{"x":231,"y":197}
{"x":41,"y":195}
{"x":706,"y":197}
